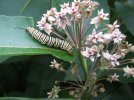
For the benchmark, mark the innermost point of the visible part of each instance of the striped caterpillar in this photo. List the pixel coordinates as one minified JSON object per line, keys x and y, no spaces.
{"x":50,"y":41}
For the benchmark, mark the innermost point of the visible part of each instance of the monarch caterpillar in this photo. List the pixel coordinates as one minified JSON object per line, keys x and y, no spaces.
{"x":50,"y":41}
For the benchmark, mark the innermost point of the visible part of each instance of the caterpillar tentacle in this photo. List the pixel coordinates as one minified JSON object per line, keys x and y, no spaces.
{"x":50,"y":41}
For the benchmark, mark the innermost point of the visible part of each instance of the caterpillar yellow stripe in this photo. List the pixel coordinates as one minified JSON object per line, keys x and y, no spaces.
{"x":50,"y":41}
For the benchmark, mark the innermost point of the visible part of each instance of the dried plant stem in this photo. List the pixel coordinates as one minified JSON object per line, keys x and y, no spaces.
{"x":126,"y":60}
{"x":78,"y":85}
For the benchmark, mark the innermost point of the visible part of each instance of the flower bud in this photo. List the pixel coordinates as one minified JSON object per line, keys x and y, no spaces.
{"x":71,"y":93}
{"x":94,"y":94}
{"x":102,"y":89}
{"x":76,"y":95}
{"x":132,"y":48}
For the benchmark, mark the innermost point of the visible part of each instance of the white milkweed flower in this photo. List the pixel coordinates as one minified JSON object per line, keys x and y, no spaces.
{"x":118,"y":36}
{"x":89,"y":5}
{"x":131,"y":48}
{"x":47,"y":20}
{"x":52,"y":12}
{"x":112,"y":78}
{"x":76,"y":3}
{"x":98,"y":19}
{"x":129,"y":71}
{"x":112,"y":58}
{"x":112,"y":27}
{"x":56,"y":65}
{"x":54,"y":93}
{"x":95,"y":37}
{"x":61,"y":20}
{"x":43,"y":25}
{"x":107,"y":38}
{"x":65,"y":8}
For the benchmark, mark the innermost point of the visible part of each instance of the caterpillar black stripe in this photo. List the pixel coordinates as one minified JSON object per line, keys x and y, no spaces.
{"x":50,"y":41}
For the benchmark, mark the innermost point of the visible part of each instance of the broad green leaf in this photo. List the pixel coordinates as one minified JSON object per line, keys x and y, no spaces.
{"x":16,"y":41}
{"x":4,"y":58}
{"x":33,"y":8}
{"x":18,"y":98}
{"x":126,"y":12}
{"x":131,"y":3}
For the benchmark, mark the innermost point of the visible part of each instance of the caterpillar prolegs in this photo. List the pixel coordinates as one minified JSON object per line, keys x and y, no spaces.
{"x":50,"y":41}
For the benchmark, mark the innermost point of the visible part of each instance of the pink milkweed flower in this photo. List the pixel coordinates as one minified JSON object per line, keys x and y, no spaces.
{"x":98,"y":19}
{"x":95,"y":37}
{"x":50,"y":15}
{"x":112,"y":58}
{"x":52,"y":12}
{"x":65,"y":8}
{"x":107,"y":38}
{"x":112,"y":27}
{"x":45,"y":26}
{"x":61,"y":20}
{"x":76,"y":3}
{"x":128,"y":71}
{"x":90,"y":53}
{"x":118,"y":36}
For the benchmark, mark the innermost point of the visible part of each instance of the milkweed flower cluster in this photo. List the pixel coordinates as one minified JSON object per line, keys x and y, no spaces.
{"x":71,"y":19}
{"x":106,"y":46}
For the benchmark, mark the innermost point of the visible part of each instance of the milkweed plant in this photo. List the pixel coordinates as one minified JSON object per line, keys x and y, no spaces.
{"x":103,"y":48}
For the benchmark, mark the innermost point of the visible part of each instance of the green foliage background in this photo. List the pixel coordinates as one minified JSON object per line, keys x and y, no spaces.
{"x":24,"y":63}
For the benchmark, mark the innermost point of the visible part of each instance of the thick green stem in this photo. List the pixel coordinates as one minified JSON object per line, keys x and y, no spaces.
{"x":83,"y":64}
